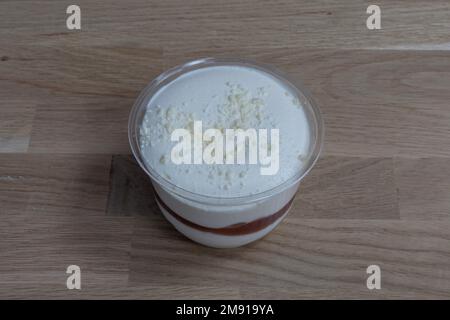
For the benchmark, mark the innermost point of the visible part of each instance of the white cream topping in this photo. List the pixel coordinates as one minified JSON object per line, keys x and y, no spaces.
{"x":225,"y":97}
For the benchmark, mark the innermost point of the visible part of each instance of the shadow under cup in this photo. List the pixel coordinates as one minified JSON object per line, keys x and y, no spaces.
{"x":224,"y":222}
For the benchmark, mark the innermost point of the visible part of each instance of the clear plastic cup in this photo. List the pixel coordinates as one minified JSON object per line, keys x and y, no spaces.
{"x":224,"y":222}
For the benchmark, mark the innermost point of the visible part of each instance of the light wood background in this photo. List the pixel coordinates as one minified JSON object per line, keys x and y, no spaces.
{"x":70,"y":193}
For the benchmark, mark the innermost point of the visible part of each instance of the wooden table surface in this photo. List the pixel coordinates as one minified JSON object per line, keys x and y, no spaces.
{"x":70,"y":193}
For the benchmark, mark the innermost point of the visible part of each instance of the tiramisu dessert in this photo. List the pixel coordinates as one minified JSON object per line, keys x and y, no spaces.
{"x":226,"y":143}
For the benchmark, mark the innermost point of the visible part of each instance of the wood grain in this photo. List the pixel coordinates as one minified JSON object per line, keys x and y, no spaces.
{"x":177,"y":24}
{"x":124,"y":292}
{"x":53,"y":215}
{"x":16,"y":121}
{"x":424,"y":186}
{"x":39,"y":248}
{"x":71,"y":193}
{"x":81,"y":125}
{"x":301,"y":253}
{"x":68,"y":70}
{"x":61,"y":184}
{"x":349,"y":188}
{"x":131,"y":192}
